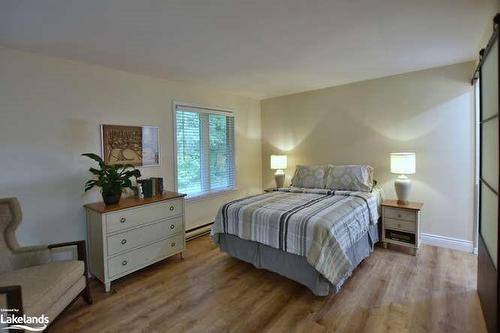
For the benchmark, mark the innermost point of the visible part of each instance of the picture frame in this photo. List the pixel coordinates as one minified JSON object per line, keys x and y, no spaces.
{"x":128,"y":144}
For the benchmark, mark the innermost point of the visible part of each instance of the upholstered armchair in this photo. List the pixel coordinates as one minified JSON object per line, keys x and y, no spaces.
{"x":30,"y":280}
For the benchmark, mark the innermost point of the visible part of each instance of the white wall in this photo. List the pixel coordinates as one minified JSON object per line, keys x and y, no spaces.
{"x":50,"y":111}
{"x":429,"y":112}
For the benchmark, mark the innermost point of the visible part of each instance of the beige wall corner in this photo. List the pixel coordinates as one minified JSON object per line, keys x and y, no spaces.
{"x":430,"y":112}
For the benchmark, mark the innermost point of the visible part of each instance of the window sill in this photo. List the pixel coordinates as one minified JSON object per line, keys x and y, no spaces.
{"x":210,"y":195}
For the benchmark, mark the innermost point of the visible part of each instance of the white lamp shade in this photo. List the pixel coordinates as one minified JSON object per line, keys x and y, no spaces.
{"x":403,"y":163}
{"x":278,"y":162}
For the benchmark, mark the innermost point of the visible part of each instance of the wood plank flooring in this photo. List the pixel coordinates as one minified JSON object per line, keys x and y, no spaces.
{"x":208,"y":291}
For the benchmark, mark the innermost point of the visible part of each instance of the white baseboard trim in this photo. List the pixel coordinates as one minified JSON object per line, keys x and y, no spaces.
{"x":429,"y":239}
{"x":197,"y":232}
{"x":448,"y":242}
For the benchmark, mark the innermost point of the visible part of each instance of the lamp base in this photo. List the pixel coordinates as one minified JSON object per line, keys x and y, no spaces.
{"x":279,"y":178}
{"x":402,"y":186}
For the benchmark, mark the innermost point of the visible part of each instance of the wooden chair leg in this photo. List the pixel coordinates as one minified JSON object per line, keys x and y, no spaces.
{"x":87,"y":295}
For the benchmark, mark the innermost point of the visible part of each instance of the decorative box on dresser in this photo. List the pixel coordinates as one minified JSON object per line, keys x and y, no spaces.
{"x":133,"y":234}
{"x":401,"y":224}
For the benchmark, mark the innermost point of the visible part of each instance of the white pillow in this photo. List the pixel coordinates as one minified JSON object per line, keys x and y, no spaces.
{"x":310,"y":176}
{"x":350,"y":177}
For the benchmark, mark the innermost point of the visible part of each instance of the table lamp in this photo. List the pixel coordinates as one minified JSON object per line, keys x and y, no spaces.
{"x":403,"y":164}
{"x":278,"y":163}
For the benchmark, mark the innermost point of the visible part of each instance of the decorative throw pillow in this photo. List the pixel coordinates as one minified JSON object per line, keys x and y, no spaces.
{"x":310,"y":176}
{"x":350,"y":177}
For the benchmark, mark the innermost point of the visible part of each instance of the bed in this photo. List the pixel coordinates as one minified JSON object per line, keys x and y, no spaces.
{"x":316,"y":237}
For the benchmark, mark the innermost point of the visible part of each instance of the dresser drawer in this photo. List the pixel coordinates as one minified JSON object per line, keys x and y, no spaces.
{"x":143,"y":256}
{"x":400,"y":214}
{"x":399,"y":225}
{"x":144,"y":214}
{"x":144,"y":235}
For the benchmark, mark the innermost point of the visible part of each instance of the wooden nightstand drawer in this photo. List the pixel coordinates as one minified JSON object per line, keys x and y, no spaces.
{"x":400,"y":214}
{"x":400,"y":225}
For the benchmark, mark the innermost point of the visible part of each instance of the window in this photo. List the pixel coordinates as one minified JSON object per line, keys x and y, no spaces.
{"x":204,"y":140}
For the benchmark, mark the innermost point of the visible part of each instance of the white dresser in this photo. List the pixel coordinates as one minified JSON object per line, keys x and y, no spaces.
{"x":133,"y":234}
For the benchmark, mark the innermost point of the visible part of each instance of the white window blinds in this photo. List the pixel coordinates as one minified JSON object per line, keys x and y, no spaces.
{"x":205,"y":150}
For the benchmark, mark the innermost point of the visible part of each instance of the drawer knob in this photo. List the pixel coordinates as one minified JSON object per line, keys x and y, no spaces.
{"x":172,"y":226}
{"x":171,"y":208}
{"x":399,"y":215}
{"x":124,"y":262}
{"x":122,"y":220}
{"x":172,"y":244}
{"x":124,"y":241}
{"x":399,"y":225}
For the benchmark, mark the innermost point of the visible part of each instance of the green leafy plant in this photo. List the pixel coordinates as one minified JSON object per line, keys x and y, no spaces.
{"x":112,"y":179}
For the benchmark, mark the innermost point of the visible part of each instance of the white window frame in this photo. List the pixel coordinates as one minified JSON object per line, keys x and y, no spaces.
{"x":213,"y":110}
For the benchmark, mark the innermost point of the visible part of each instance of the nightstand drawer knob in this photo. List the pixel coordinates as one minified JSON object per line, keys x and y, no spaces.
{"x":172,"y":226}
{"x":171,"y":208}
{"x":172,"y":244}
{"x":124,"y":262}
{"x":124,"y":241}
{"x":399,"y":225}
{"x":399,"y":215}
{"x":122,"y":220}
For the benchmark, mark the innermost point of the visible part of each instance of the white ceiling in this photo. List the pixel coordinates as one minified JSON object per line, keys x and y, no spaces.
{"x":255,"y":48}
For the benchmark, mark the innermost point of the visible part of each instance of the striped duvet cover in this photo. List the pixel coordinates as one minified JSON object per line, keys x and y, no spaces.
{"x":318,"y":224}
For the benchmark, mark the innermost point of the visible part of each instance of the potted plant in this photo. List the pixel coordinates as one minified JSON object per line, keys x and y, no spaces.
{"x":112,"y":179}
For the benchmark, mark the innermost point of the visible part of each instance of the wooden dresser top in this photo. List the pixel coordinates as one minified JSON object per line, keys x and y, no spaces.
{"x":125,"y":203}
{"x":411,"y":205}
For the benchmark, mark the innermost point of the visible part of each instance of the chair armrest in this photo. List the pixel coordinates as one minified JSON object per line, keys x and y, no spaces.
{"x":30,"y":256}
{"x":81,"y":250}
{"x":27,"y":249}
{"x":14,"y":298}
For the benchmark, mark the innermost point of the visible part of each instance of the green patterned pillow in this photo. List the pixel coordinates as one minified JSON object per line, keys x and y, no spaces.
{"x":350,"y":177}
{"x":310,"y":176}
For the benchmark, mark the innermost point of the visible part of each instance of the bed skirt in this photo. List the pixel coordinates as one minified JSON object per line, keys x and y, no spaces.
{"x":293,"y":266}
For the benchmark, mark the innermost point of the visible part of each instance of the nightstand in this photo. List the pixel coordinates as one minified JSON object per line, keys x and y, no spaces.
{"x":401,"y":224}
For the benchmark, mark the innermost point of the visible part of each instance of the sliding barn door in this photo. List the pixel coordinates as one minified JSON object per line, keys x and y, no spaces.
{"x":487,"y":282}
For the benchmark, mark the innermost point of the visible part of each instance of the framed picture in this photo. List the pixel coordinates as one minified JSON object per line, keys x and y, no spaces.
{"x":136,"y":145}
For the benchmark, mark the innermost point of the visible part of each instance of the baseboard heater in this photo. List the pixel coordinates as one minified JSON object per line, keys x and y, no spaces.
{"x":198,"y":231}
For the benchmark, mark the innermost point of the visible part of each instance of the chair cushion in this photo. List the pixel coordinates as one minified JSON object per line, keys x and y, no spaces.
{"x":43,"y":285}
{"x":66,"y":299}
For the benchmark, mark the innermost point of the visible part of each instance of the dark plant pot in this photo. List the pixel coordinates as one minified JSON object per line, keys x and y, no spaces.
{"x":111,"y":198}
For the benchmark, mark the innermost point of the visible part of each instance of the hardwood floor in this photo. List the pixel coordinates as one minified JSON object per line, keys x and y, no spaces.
{"x":208,"y":291}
